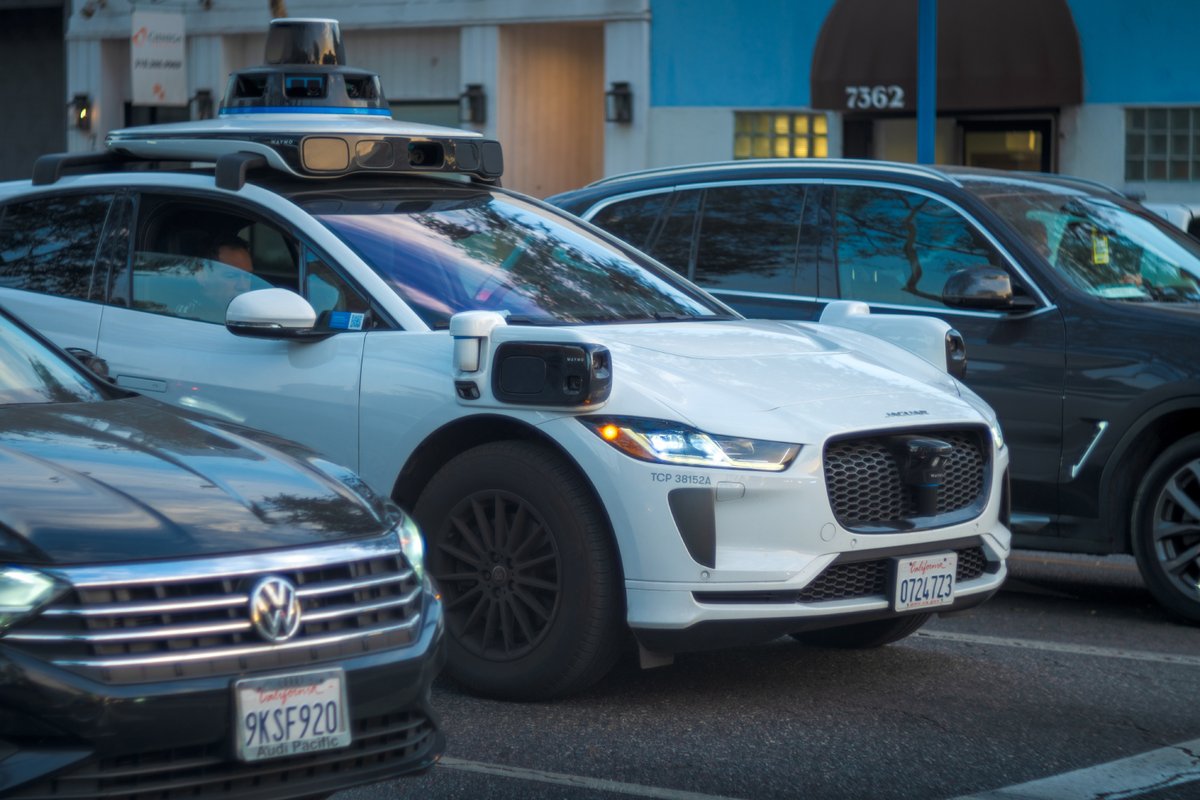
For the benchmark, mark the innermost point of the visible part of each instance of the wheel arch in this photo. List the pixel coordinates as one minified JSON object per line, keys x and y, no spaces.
{"x":1150,"y":434}
{"x":463,"y":434}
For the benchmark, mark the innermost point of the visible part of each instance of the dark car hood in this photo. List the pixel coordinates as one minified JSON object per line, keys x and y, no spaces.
{"x":131,"y":479}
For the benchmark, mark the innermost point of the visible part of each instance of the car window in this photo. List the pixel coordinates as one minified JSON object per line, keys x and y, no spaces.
{"x":188,"y":287}
{"x":49,"y":245}
{"x":112,"y":261}
{"x":673,"y":244}
{"x":633,"y":220}
{"x":899,"y":247}
{"x":328,"y":292}
{"x":191,"y":258}
{"x":483,"y":251}
{"x":749,"y":237}
{"x":1105,"y":247}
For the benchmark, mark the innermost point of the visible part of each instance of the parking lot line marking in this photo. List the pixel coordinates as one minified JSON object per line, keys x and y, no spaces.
{"x":1115,"y":780}
{"x":1057,"y":647}
{"x":560,"y":779}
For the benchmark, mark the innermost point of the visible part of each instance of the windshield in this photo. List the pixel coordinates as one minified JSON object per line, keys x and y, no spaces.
{"x":482,"y":251}
{"x":32,"y":373}
{"x":1105,"y":246}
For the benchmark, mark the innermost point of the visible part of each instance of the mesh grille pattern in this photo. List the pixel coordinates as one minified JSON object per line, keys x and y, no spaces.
{"x":381,"y":747}
{"x":168,"y":629}
{"x":862,"y":477}
{"x":847,"y":582}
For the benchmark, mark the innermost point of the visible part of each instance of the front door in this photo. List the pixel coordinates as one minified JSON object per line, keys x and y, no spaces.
{"x":163,"y":332}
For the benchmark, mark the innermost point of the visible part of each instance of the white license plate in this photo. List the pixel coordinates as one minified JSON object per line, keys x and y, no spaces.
{"x":290,"y":715}
{"x":924,"y":581}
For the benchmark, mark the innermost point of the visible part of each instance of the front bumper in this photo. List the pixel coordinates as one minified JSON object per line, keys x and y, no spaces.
{"x":66,"y":735}
{"x":736,"y":616}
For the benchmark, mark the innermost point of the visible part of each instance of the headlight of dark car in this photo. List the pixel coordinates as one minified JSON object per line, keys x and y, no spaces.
{"x":22,"y":592}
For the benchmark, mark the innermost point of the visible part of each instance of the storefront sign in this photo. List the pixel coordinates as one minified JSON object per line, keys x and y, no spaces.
{"x":156,"y":49}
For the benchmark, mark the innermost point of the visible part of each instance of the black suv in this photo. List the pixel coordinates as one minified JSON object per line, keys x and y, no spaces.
{"x":1080,"y":309}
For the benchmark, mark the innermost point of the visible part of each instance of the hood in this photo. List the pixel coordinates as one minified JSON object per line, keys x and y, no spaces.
{"x":130,"y":479}
{"x":773,"y":379}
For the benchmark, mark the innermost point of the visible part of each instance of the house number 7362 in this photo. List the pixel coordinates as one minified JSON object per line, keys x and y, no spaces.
{"x":864,"y":97}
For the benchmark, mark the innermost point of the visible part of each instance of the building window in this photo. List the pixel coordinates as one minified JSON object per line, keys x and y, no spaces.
{"x":1162,"y":144}
{"x":764,"y":134}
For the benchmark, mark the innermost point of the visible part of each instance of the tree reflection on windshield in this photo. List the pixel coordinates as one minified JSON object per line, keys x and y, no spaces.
{"x":500,"y":254}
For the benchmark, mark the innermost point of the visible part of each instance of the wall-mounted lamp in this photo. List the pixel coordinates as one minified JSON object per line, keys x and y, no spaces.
{"x":618,"y":103}
{"x":81,"y":112}
{"x":472,"y":105}
{"x":203,"y":98}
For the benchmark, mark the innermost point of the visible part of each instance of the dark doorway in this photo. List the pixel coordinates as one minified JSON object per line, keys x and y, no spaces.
{"x":34,"y":89}
{"x":1013,"y":144}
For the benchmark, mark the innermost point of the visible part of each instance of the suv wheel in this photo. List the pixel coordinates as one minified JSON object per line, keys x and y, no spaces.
{"x":865,"y":634}
{"x":1166,"y":528}
{"x":526,"y":567}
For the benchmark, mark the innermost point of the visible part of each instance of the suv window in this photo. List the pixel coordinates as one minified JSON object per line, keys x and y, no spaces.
{"x":899,"y":247}
{"x":673,"y":244}
{"x":766,"y":216}
{"x":633,"y":220}
{"x":49,"y":245}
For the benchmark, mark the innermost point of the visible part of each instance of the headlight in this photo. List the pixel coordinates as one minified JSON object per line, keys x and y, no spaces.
{"x":22,"y":592}
{"x":997,"y":434}
{"x":413,"y":546}
{"x":665,"y":442}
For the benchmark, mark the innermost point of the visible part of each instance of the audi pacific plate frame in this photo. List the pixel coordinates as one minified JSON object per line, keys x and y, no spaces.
{"x":188,"y":606}
{"x":591,"y":444}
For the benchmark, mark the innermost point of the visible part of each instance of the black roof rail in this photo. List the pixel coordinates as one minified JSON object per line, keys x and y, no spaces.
{"x":232,"y":169}
{"x":49,"y":168}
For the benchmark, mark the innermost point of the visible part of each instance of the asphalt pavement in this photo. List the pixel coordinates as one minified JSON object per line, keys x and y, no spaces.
{"x":1070,"y":683}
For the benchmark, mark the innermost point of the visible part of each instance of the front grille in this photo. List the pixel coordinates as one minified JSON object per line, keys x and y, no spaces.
{"x":381,"y":748}
{"x":866,"y":492}
{"x":164,"y":621}
{"x":850,"y":581}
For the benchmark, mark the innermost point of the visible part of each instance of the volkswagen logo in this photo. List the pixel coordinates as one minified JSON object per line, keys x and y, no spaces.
{"x":275,"y":609}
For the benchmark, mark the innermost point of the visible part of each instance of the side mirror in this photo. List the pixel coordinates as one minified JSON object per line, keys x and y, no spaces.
{"x":978,"y":287}
{"x":91,"y":361}
{"x":272,"y":314}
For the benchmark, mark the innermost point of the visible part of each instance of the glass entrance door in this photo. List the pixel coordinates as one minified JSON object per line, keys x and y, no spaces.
{"x":1008,"y":144}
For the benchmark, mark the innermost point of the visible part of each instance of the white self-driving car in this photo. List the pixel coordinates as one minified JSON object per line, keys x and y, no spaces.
{"x":591,"y":444}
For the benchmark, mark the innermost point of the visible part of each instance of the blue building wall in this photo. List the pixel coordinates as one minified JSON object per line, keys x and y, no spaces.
{"x":1138,"y":51}
{"x":759,"y":54}
{"x":727,"y":53}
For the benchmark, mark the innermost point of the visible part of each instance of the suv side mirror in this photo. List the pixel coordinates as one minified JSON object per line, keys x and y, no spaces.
{"x":978,"y":287}
{"x":272,"y":314}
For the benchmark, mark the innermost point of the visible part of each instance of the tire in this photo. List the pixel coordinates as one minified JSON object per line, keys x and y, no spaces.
{"x":1166,"y":528}
{"x":865,"y":634}
{"x":534,"y":607}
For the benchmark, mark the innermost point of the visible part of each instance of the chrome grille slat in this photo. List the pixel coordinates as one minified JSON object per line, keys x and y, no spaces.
{"x":350,"y":586}
{"x":336,"y":613}
{"x":133,"y":634}
{"x":149,"y":608}
{"x":175,"y":619}
{"x":183,"y":657}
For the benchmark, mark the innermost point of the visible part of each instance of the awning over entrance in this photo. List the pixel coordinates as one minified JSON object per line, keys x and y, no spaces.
{"x":992,"y":55}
